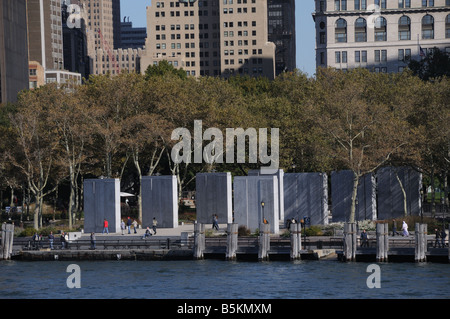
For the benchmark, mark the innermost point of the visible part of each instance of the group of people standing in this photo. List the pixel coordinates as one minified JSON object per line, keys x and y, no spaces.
{"x":440,"y":238}
{"x":37,"y":240}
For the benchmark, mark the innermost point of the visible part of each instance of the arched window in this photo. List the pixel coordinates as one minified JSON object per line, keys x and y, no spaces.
{"x":380,"y":29}
{"x":427,"y":27}
{"x":447,"y":26}
{"x":360,"y":30}
{"x":404,"y":28}
{"x":341,"y":31}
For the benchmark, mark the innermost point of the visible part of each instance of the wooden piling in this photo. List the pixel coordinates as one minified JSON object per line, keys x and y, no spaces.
{"x":295,"y":241}
{"x":7,"y":241}
{"x":382,"y":231}
{"x":420,"y":242}
{"x":350,"y":241}
{"x":199,"y":240}
{"x":232,"y":241}
{"x":264,"y":242}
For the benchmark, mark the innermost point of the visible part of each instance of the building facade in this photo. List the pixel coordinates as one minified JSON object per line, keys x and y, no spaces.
{"x":281,"y":23}
{"x":76,"y":57}
{"x":45,"y":35}
{"x":113,"y":63}
{"x":132,"y":37}
{"x":13,"y":49}
{"x":102,"y":28}
{"x":211,"y":38}
{"x":380,"y":35}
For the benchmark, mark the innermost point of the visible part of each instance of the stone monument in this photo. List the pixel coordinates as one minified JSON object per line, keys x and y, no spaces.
{"x":390,"y":193}
{"x":214,"y":195}
{"x":160,"y":201}
{"x":341,"y":196}
{"x":256,"y":199}
{"x":306,"y":195}
{"x":101,"y":201}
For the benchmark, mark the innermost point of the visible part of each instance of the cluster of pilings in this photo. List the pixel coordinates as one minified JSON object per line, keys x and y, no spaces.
{"x":232,"y":241}
{"x":7,"y":241}
{"x":382,"y":239}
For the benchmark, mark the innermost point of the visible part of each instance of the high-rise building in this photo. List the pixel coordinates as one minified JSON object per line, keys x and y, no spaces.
{"x":132,"y":37}
{"x":102,"y":18}
{"x":13,"y":49}
{"x":45,"y":44}
{"x":76,"y":58}
{"x":281,"y":21}
{"x":380,"y":35}
{"x":211,"y":37}
{"x":45,"y":38}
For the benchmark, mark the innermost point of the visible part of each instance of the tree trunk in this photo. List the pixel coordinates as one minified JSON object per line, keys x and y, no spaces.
{"x":351,"y":218}
{"x":405,"y":204}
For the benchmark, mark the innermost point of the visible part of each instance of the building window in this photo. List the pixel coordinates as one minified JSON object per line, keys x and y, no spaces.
{"x":340,"y":5}
{"x":447,"y":26}
{"x":380,"y":55}
{"x":427,"y":27}
{"x":404,"y":3}
{"x":404,"y":28}
{"x":360,"y":30}
{"x":380,"y":29}
{"x":341,"y":31}
{"x":361,"y":56}
{"x":381,"y":3}
{"x":404,"y":55}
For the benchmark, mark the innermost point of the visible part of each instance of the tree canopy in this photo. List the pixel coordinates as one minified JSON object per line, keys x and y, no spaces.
{"x":121,"y":126}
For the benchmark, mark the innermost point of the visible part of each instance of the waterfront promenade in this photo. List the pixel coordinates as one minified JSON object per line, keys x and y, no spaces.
{"x":178,"y":244}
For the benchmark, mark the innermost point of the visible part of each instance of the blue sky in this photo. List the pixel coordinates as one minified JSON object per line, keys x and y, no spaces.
{"x":305,"y":29}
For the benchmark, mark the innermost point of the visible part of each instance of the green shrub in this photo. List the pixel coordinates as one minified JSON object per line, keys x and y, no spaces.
{"x":243,"y":231}
{"x":27,"y":232}
{"x":313,"y":231}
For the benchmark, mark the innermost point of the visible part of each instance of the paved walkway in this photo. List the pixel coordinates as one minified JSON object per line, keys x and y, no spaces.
{"x":160,"y":232}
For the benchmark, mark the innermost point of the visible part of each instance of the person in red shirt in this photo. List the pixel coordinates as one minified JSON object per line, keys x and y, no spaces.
{"x":105,"y":227}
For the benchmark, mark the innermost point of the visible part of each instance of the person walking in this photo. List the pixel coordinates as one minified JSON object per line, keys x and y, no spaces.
{"x":394,"y":228}
{"x":122,"y":227}
{"x":405,"y":229}
{"x":36,"y":240}
{"x":93,"y":240}
{"x":129,"y":225}
{"x":105,"y":226}
{"x":135,"y":226}
{"x":155,"y":223}
{"x":215,"y":224}
{"x":63,"y":240}
{"x":50,"y":239}
{"x":437,"y":241}
{"x":364,"y":239}
{"x":443,"y":235}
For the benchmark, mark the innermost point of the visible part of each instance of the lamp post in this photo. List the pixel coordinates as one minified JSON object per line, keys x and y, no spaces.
{"x":421,"y":206}
{"x":262,"y":207}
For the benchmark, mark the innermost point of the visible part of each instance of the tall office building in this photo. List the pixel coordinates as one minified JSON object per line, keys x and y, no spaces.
{"x":132,"y":37}
{"x":45,"y":44}
{"x":13,"y":49}
{"x":281,"y":21}
{"x":76,"y":58}
{"x":102,"y":19}
{"x":102,"y":22}
{"x":45,"y":38}
{"x":211,"y":37}
{"x":380,"y":35}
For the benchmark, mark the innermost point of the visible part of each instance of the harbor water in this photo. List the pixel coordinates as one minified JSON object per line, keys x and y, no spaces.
{"x":216,"y":279}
